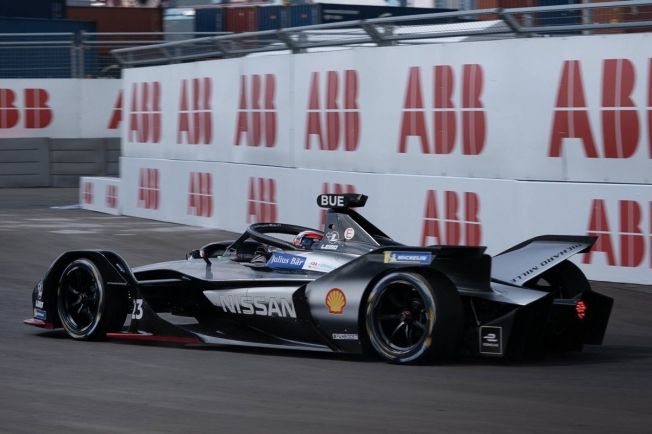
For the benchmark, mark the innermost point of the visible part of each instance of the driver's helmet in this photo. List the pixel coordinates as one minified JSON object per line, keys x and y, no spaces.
{"x":306,"y":239}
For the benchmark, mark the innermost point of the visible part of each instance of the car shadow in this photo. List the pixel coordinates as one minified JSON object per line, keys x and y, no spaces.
{"x":590,"y":356}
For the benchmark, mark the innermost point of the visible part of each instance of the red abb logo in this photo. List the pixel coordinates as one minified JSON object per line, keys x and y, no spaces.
{"x":36,"y":111}
{"x":88,"y":193}
{"x":458,"y":231}
{"x":333,"y":188}
{"x":619,"y":116}
{"x":195,"y":115}
{"x":200,"y":194}
{"x":111,"y":196}
{"x":631,"y":236}
{"x":444,"y":112}
{"x":341,"y":112}
{"x":145,"y":113}
{"x":149,"y":191}
{"x":261,"y":205}
{"x":257,"y":111}
{"x":116,"y":115}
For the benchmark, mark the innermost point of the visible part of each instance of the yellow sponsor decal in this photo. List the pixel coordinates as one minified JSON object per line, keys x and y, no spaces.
{"x":335,"y":301}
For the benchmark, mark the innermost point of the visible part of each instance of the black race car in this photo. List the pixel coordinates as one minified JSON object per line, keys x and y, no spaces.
{"x":349,"y":288}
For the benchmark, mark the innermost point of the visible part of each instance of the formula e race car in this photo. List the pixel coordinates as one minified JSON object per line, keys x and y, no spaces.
{"x":349,"y":288}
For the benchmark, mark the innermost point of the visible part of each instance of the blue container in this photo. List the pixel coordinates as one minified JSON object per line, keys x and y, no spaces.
{"x":33,"y":9}
{"x":36,"y":25}
{"x":209,"y":20}
{"x":36,"y":61}
{"x":558,"y":18}
{"x":272,"y":17}
{"x":335,"y":13}
{"x":304,"y":15}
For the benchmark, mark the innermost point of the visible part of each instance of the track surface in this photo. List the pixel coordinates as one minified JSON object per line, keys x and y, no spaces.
{"x":50,"y":383}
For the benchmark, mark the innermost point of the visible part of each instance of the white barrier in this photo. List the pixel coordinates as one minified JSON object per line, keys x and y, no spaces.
{"x":452,"y":142}
{"x":227,"y":110}
{"x":416,"y":210}
{"x":551,"y":109}
{"x":60,"y":108}
{"x":100,"y":194}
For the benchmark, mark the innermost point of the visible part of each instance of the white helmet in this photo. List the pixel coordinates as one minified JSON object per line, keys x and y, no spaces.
{"x":306,"y":239}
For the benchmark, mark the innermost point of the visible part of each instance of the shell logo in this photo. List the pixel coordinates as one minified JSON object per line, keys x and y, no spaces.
{"x":335,"y":301}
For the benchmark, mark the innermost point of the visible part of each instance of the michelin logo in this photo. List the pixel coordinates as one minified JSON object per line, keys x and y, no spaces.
{"x":423,"y":258}
{"x":286,"y":261}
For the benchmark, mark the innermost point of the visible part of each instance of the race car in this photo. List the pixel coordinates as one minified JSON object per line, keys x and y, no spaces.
{"x":347,"y":288}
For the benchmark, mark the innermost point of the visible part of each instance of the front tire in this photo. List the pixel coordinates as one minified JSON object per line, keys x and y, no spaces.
{"x":411,"y":319}
{"x":87,"y":307}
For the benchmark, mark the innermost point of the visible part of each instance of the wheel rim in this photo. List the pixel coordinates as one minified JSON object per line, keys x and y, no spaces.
{"x":402,"y":317}
{"x":80,"y":298}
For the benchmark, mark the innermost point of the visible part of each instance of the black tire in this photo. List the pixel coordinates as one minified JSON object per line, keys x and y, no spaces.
{"x":87,"y":307}
{"x":564,"y":280}
{"x":411,"y":319}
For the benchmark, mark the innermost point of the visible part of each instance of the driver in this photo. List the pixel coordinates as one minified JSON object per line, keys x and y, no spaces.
{"x":306,"y":239}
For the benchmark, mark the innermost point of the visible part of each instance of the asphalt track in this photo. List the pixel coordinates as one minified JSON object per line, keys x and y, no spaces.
{"x":49,"y":383}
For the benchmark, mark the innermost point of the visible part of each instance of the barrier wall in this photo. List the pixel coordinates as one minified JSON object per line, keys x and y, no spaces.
{"x":60,"y":108}
{"x":100,"y":194}
{"x":486,"y":143}
{"x":531,"y":109}
{"x":54,"y":130}
{"x":417,"y":210}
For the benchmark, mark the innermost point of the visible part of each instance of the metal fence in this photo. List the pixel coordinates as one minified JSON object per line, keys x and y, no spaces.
{"x":78,"y":55}
{"x":105,"y":54}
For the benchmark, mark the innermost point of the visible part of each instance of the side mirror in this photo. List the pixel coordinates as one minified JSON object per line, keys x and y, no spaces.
{"x":193,"y":254}
{"x":197,"y":254}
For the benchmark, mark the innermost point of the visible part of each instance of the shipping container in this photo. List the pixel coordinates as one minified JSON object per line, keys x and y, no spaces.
{"x":178,"y":20}
{"x":193,"y":3}
{"x":604,"y":16}
{"x":209,"y":20}
{"x":272,"y":17}
{"x":461,"y":5}
{"x":304,"y":15}
{"x":505,"y":4}
{"x":526,"y":19}
{"x":38,"y":25}
{"x":558,"y":18}
{"x":120,"y":19}
{"x":240,"y":19}
{"x":638,"y":13}
{"x":49,"y":9}
{"x":43,"y":61}
{"x":334,"y":13}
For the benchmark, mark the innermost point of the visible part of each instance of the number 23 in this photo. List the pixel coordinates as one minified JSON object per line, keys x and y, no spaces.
{"x":137,"y":312}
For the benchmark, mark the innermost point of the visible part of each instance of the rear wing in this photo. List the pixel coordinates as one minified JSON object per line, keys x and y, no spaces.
{"x":531,"y":258}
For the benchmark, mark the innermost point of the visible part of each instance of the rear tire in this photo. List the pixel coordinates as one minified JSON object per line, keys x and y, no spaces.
{"x":410,"y":319}
{"x":87,"y":307}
